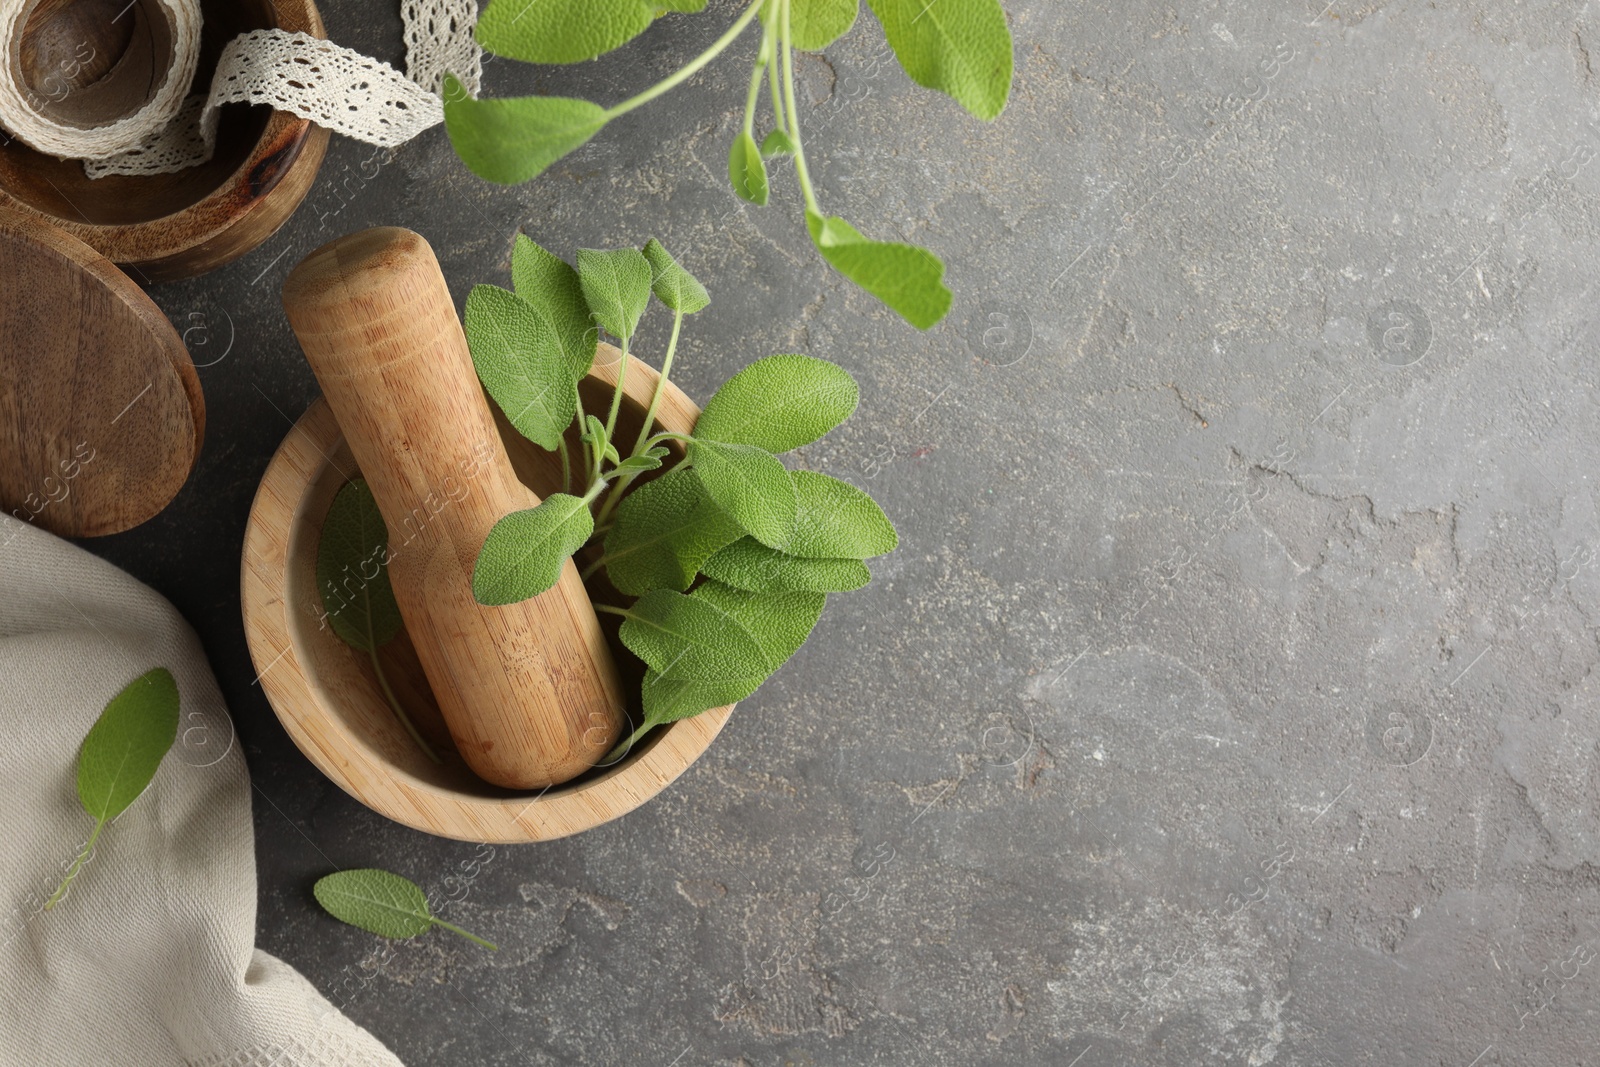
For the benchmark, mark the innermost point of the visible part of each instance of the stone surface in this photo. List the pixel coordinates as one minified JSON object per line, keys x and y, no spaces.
{"x":1230,"y":699}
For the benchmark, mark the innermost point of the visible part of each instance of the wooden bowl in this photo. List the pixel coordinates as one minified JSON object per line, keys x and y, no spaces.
{"x":327,"y":695}
{"x":164,"y":226}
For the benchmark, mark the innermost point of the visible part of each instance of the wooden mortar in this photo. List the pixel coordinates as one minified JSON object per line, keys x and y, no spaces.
{"x":328,"y":699}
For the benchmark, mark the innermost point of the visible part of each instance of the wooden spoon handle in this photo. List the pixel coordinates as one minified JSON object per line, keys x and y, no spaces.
{"x":529,"y":691}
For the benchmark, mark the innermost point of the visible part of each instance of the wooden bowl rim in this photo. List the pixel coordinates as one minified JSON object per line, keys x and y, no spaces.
{"x":355,"y":765}
{"x":302,"y":143}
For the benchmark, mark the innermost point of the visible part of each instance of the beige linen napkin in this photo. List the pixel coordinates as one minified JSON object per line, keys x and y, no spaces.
{"x":149,"y":961}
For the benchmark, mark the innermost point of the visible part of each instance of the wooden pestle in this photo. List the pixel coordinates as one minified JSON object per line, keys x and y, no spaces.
{"x":530,"y":691}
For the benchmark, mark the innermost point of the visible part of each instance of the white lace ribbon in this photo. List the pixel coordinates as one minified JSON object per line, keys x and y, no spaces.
{"x":310,"y":77}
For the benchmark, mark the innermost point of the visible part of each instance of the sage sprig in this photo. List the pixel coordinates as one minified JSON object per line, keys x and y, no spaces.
{"x":120,"y":754}
{"x":728,"y":554}
{"x":961,"y":48}
{"x":353,"y":579}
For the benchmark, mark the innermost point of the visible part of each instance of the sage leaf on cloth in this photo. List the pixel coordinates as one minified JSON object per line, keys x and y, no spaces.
{"x":120,"y":754}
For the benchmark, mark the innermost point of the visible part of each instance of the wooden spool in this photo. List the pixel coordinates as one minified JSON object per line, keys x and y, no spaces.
{"x":327,"y":696}
{"x":162,"y":226}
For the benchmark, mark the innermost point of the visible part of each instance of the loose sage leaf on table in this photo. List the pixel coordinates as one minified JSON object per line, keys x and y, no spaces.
{"x":513,"y":139}
{"x":664,"y":531}
{"x":124,"y":747}
{"x":351,"y":572}
{"x":959,"y":47}
{"x":748,"y":564}
{"x":751,"y":485}
{"x":904,"y":277}
{"x":815,"y":24}
{"x":835,"y":520}
{"x":673,"y":286}
{"x":747,"y":170}
{"x":522,"y":364}
{"x":526,"y":550}
{"x":381,"y":902}
{"x":778,"y":623}
{"x":561,"y":31}
{"x":779,"y":403}
{"x":616,"y":285}
{"x":549,"y":285}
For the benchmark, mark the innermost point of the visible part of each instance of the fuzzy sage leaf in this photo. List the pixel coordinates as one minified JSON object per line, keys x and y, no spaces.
{"x":747,"y":171}
{"x":120,"y":754}
{"x":904,"y":277}
{"x":673,"y":286}
{"x":835,"y":520}
{"x":526,"y":550}
{"x":561,"y":31}
{"x":522,"y":363}
{"x":778,"y":623}
{"x":353,"y":579}
{"x":511,"y":140}
{"x":816,"y":24}
{"x":616,"y":285}
{"x":751,"y":485}
{"x":779,"y":403}
{"x":664,"y":531}
{"x":549,"y":285}
{"x":383,"y":903}
{"x":959,"y":47}
{"x":750,"y":565}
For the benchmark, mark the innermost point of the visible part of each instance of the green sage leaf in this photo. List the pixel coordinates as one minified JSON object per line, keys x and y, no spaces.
{"x":959,"y":47}
{"x":550,"y":286}
{"x":381,"y":902}
{"x":521,"y":362}
{"x":746,"y":169}
{"x":561,"y":31}
{"x":353,"y":572}
{"x":125,"y":745}
{"x":904,"y":277}
{"x":751,"y":485}
{"x":815,"y":24}
{"x":596,"y":436}
{"x":777,"y":143}
{"x":673,"y":286}
{"x":750,"y":565}
{"x":835,"y":520}
{"x":682,"y":637}
{"x":778,"y":622}
{"x":779,"y":403}
{"x":648,"y":460}
{"x":664,"y":531}
{"x":511,"y":140}
{"x":526,"y":550}
{"x":616,"y":285}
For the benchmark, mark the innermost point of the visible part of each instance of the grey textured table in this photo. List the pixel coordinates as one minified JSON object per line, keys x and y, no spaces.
{"x":1230,"y":699}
